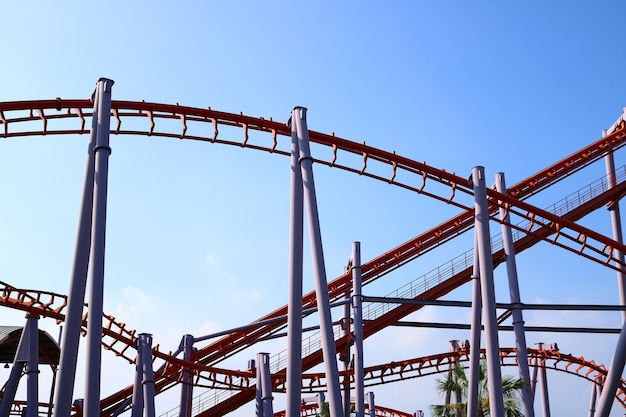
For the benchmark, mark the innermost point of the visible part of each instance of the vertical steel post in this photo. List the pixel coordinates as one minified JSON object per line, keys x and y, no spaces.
{"x":186,"y":394}
{"x":592,"y":400}
{"x":263,"y":374}
{"x":616,"y":222}
{"x":294,"y":306}
{"x":329,"y":352}
{"x":357,"y":308}
{"x":545,"y":397}
{"x":543,"y":377}
{"x":613,"y":376}
{"x":259,"y":388}
{"x":147,"y":380}
{"x":32,"y":367}
{"x":64,"y":388}
{"x":344,"y":356}
{"x":137,"y":398}
{"x":516,"y":310}
{"x":475,"y":330}
{"x":98,"y":235}
{"x":370,"y":402}
{"x":533,"y":378}
{"x":494,"y":375}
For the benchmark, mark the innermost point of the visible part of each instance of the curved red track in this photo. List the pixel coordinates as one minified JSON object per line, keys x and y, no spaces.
{"x":274,"y":137}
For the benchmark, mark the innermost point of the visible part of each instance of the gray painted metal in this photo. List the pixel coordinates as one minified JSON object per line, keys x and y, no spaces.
{"x":516,"y":312}
{"x":592,"y":400}
{"x":319,"y":269}
{"x":264,"y":380}
{"x":96,"y":264}
{"x":186,"y":389}
{"x":370,"y":402}
{"x":616,"y":223}
{"x":494,"y":374}
{"x":612,"y":378}
{"x":294,"y":303}
{"x":137,"y":398}
{"x":32,"y":366}
{"x":475,"y":330}
{"x":145,"y":358}
{"x":76,"y":296}
{"x":357,"y":308}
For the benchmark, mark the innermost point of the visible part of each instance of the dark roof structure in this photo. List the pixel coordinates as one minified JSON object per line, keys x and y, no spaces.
{"x":49,"y":351}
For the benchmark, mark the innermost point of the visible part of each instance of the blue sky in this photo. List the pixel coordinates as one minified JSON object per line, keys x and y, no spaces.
{"x":197,"y":237}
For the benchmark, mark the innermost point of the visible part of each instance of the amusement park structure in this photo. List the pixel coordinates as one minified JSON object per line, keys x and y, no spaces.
{"x":197,"y":364}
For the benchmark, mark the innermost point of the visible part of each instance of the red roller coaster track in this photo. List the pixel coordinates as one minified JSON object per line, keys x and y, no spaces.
{"x":274,"y":137}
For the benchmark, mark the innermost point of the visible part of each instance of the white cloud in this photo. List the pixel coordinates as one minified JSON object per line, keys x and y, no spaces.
{"x":212,"y":259}
{"x":135,"y":305}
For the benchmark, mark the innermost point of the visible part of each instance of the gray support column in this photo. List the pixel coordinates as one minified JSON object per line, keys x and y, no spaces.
{"x":321,"y":399}
{"x":145,"y":354}
{"x":514,"y":292}
{"x":543,"y":377}
{"x":592,"y":400}
{"x":607,"y":397}
{"x":357,"y":308}
{"x":372,"y":406}
{"x":64,"y":387}
{"x":294,"y":306}
{"x":137,"y":399}
{"x":263,"y":374}
{"x":298,"y":117}
{"x":259,"y":388}
{"x":98,"y":235}
{"x":533,"y":379}
{"x":345,"y":355}
{"x":475,"y":329}
{"x":494,"y":375}
{"x":616,"y":222}
{"x":186,"y":393}
{"x":543,"y":380}
{"x":32,"y":367}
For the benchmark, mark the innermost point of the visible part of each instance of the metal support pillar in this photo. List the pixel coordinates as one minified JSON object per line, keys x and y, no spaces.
{"x":607,"y":397}
{"x":533,"y":379}
{"x":593,"y":399}
{"x":145,"y":358}
{"x":76,"y":296}
{"x":370,"y":402}
{"x":32,"y":366}
{"x":357,"y":308}
{"x":253,"y":363}
{"x":298,"y":116}
{"x":616,"y":222}
{"x":475,"y":329}
{"x":137,"y":398}
{"x":344,"y":356}
{"x":98,"y":237}
{"x":516,"y":311}
{"x":294,"y":303}
{"x":186,"y":389}
{"x":543,"y":378}
{"x":494,"y":375}
{"x":264,"y":380}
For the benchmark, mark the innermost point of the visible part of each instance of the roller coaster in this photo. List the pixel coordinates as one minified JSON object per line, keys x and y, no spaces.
{"x":556,"y":225}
